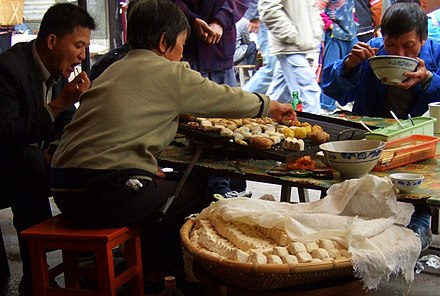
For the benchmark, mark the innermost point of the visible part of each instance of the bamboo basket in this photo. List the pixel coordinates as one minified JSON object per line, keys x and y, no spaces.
{"x":265,"y":276}
{"x":11,"y":12}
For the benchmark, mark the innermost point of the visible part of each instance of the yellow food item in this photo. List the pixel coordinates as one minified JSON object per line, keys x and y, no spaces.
{"x":300,"y":132}
{"x":287,"y":132}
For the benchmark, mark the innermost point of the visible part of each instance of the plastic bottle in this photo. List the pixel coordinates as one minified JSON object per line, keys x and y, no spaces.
{"x":296,"y":102}
{"x":170,"y":288}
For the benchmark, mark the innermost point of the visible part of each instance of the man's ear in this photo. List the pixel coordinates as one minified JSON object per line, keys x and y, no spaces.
{"x":162,"y":46}
{"x":423,"y":42}
{"x":51,"y":41}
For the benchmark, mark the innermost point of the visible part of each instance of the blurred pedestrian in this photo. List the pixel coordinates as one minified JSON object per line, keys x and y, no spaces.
{"x":340,"y":36}
{"x":295,"y":30}
{"x":259,"y":82}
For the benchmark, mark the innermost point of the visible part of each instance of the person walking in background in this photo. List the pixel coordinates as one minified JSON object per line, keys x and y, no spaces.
{"x":387,"y":3}
{"x":245,"y":49}
{"x":259,"y":82}
{"x":368,"y":14}
{"x":340,"y":36}
{"x":434,"y":24}
{"x":404,"y":29}
{"x":36,"y":102}
{"x":295,"y":30}
{"x":210,"y":51}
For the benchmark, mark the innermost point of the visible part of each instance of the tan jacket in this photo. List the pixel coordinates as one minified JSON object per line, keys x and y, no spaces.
{"x":130,"y":114}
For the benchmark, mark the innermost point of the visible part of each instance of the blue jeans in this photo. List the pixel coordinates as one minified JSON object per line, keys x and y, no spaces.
{"x":334,"y":49}
{"x":294,"y":73}
{"x":260,"y":81}
{"x":421,"y":217}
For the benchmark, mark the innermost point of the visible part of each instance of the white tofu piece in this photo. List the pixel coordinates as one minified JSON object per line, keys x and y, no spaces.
{"x":290,"y":259}
{"x":311,"y":246}
{"x":241,"y":256}
{"x":334,"y":253}
{"x":296,"y":247}
{"x":326,"y":244}
{"x":280,"y":251}
{"x":303,"y":257}
{"x":258,"y":258}
{"x":274,"y":259}
{"x":319,"y":253}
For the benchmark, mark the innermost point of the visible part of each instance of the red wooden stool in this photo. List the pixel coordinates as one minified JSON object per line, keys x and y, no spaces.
{"x":55,"y":233}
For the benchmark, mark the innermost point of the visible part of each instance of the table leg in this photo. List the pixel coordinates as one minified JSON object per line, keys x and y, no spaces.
{"x":303,"y":194}
{"x":286,"y":192}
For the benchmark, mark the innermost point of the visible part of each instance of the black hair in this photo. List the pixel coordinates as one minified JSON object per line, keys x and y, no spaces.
{"x":62,"y":19}
{"x":130,"y":4}
{"x":401,"y":18}
{"x":148,"y":19}
{"x":405,"y":1}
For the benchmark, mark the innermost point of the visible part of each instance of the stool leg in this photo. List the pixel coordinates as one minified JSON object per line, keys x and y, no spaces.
{"x":241,"y":76}
{"x":71,"y":269}
{"x":106,"y":271}
{"x":40,"y":276}
{"x":133,"y":258}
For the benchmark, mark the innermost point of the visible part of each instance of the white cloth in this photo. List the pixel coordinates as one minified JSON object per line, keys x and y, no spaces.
{"x":363,"y":214}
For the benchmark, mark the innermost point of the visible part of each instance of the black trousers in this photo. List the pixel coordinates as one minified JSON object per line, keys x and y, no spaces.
{"x":24,"y":186}
{"x":112,"y":204}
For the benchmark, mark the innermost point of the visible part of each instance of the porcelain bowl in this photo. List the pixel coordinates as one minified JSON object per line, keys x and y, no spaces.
{"x":352,"y":158}
{"x":406,"y":182}
{"x":389,"y":69}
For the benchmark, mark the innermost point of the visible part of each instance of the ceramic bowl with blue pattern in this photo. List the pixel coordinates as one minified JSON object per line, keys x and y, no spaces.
{"x":389,"y":69}
{"x":406,"y":182}
{"x":353,"y":158}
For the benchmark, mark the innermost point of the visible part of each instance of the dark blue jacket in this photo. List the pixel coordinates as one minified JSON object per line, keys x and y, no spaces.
{"x":213,"y":57}
{"x":369,"y":94}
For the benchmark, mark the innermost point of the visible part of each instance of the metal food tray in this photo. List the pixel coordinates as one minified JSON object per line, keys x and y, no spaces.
{"x":337,"y":128}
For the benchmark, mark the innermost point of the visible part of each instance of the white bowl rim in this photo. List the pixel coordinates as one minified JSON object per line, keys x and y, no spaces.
{"x":381,"y":145}
{"x":378,"y":57}
{"x":407,"y":176}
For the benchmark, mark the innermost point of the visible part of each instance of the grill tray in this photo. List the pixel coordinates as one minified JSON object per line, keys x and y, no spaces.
{"x":337,"y":128}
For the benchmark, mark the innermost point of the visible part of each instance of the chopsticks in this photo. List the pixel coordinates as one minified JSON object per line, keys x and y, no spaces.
{"x":397,"y":119}
{"x":365,"y":126}
{"x":410,"y":119}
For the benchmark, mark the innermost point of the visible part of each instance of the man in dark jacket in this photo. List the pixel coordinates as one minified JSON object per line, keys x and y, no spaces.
{"x":34,"y":108}
{"x":210,"y":50}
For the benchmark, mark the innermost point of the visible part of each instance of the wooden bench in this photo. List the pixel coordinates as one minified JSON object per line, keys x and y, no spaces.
{"x":243,"y":72}
{"x":56,"y":234}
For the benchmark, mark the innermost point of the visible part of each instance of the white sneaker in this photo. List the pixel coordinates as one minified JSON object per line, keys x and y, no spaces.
{"x":233,"y":194}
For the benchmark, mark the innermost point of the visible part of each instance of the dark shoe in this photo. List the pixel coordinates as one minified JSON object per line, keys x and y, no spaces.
{"x":25,"y":287}
{"x":425,"y":235}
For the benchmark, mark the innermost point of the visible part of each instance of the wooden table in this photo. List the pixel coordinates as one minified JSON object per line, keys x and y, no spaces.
{"x":256,"y":170}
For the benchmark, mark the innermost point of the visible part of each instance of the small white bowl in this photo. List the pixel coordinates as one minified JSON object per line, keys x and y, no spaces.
{"x":352,"y":158}
{"x":389,"y":69}
{"x":406,"y":182}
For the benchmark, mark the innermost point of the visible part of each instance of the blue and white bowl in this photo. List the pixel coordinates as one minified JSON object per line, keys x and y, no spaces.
{"x":389,"y":69}
{"x":406,"y":182}
{"x":353,"y":158}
